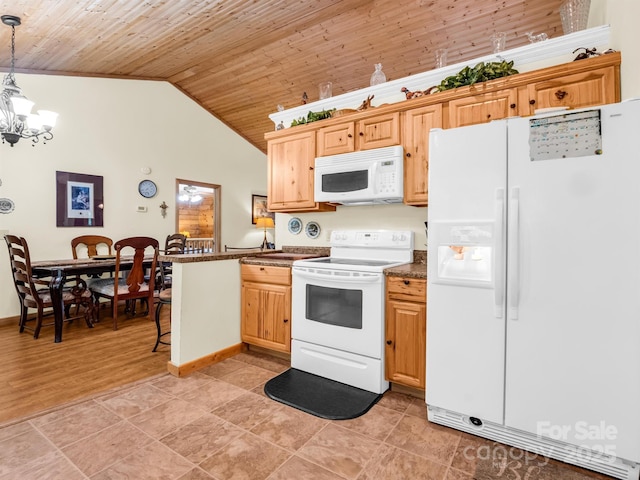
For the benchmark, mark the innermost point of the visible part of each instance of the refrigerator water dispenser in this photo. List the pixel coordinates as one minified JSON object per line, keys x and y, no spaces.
{"x":464,"y":253}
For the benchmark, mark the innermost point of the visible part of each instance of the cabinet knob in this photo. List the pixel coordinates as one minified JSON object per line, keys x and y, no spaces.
{"x":513,"y":105}
{"x":262,"y":269}
{"x":310,"y":168}
{"x":560,"y":94}
{"x":286,"y":320}
{"x":349,"y":135}
{"x":408,"y":154}
{"x":532,"y":102}
{"x":406,"y":282}
{"x":361,"y":134}
{"x":389,"y":342}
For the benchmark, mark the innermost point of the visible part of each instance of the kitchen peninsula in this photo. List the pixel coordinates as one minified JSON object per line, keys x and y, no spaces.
{"x":206,"y":303}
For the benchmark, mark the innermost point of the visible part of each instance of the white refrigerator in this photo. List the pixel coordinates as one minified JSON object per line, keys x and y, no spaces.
{"x":533,"y":284}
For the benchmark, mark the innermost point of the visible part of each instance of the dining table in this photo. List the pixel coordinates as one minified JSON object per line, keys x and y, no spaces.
{"x":59,"y":270}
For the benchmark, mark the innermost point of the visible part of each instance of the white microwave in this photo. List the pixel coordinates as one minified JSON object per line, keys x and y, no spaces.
{"x":360,"y":178}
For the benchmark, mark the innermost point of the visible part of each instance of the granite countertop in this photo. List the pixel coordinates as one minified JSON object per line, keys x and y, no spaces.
{"x":286,"y":257}
{"x":417,"y":269}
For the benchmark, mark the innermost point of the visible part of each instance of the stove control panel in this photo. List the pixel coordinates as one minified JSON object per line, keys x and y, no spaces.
{"x":402,"y":239}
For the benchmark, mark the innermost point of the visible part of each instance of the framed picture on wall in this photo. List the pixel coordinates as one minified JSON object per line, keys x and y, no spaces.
{"x":259,"y":208}
{"x":79,"y":200}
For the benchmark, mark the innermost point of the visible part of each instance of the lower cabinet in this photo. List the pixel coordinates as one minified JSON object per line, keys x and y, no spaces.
{"x":266,"y":306}
{"x":406,"y":331}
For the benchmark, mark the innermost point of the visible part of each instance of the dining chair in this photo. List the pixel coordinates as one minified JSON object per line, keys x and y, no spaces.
{"x":131,"y":285}
{"x":175,"y":243}
{"x":163,"y":298}
{"x":30,"y":296}
{"x":91,"y":243}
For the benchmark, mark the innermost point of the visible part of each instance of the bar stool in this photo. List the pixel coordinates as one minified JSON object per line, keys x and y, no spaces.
{"x":164,"y":298}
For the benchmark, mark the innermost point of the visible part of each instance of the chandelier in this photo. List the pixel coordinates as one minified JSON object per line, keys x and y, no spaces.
{"x":190,"y":195}
{"x":16,"y":119}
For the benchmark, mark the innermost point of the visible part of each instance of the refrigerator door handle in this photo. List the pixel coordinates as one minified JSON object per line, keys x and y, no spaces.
{"x":498,"y":255}
{"x":514,"y":250}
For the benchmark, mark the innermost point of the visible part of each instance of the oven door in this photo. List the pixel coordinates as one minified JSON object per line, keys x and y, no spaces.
{"x":339,"y":309}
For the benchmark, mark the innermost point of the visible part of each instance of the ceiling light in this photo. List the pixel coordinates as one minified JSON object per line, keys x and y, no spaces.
{"x":16,"y":119}
{"x":190,"y":195}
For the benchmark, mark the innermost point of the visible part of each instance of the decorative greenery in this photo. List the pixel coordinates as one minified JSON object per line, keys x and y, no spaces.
{"x":313,"y":116}
{"x":480,"y":73}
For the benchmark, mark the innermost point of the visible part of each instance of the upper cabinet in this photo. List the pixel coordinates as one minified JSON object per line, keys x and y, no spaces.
{"x":371,"y":132}
{"x":290,"y":173}
{"x":292,"y":152}
{"x":483,"y":107}
{"x":585,"y":89}
{"x":379,"y":131}
{"x":336,"y":139}
{"x":416,"y":125}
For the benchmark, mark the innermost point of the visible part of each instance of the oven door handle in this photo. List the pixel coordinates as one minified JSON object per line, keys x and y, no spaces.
{"x":337,"y":278}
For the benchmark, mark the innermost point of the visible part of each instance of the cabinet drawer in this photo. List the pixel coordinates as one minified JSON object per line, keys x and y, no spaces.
{"x":411,"y":289}
{"x":266,"y":274}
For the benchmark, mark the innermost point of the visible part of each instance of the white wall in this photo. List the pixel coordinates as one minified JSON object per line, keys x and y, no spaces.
{"x":113,"y":128}
{"x":622,"y":16}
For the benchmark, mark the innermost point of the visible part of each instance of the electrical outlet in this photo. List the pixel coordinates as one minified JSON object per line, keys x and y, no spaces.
{"x":141,"y":209}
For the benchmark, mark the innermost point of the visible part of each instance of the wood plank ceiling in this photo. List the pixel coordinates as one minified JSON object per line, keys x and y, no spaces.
{"x":240,"y":58}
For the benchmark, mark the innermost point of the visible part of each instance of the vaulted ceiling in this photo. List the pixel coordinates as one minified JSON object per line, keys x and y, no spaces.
{"x":241,"y":58}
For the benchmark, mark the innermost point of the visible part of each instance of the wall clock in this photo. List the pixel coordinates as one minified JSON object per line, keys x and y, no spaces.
{"x":147,"y":188}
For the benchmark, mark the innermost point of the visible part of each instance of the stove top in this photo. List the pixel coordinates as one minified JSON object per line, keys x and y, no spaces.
{"x":352,"y":261}
{"x":364,"y":250}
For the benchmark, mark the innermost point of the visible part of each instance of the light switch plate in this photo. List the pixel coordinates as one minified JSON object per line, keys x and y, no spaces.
{"x":141,"y":209}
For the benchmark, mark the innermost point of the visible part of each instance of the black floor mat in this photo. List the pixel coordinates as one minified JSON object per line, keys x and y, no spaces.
{"x":320,"y":396}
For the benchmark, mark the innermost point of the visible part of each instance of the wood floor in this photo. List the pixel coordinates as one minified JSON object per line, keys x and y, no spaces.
{"x":40,"y":374}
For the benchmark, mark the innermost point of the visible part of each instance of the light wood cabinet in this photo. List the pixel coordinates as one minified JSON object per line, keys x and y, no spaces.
{"x":584,"y":89}
{"x":406,"y":331}
{"x":336,"y":139}
{"x":482,"y":107}
{"x":266,"y":306}
{"x":291,"y":161}
{"x":371,"y":132}
{"x":415,"y":134}
{"x":378,"y":131}
{"x":584,"y":83}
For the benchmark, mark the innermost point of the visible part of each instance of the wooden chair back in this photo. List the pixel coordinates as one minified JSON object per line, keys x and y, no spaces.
{"x":134,"y":279}
{"x":32,"y":297}
{"x":175,"y":244}
{"x":20,"y":264}
{"x":91,"y":242}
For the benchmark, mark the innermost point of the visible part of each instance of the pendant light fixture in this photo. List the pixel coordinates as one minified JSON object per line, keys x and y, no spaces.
{"x":16,"y":119}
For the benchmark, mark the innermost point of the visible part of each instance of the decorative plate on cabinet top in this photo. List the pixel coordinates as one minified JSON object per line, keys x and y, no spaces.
{"x":295,"y":226}
{"x":6,"y":205}
{"x":312,"y":230}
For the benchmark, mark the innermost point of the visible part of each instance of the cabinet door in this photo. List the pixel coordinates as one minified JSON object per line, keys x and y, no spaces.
{"x":482,"y":108}
{"x":290,"y":172}
{"x":405,"y":346}
{"x":416,"y":126}
{"x":277,"y":315}
{"x":336,"y":139}
{"x":266,"y":314}
{"x":597,"y":87}
{"x":251,"y":308}
{"x":379,"y":131}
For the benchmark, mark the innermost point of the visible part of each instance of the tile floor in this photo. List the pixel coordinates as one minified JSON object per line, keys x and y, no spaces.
{"x":218,"y":424}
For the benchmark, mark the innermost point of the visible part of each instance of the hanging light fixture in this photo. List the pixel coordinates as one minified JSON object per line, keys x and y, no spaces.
{"x":16,"y":119}
{"x":190,"y":195}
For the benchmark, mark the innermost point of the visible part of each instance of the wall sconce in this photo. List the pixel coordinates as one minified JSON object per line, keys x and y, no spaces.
{"x":163,"y":207}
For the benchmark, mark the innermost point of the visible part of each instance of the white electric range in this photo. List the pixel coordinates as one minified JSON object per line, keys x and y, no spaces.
{"x":338,"y":307}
